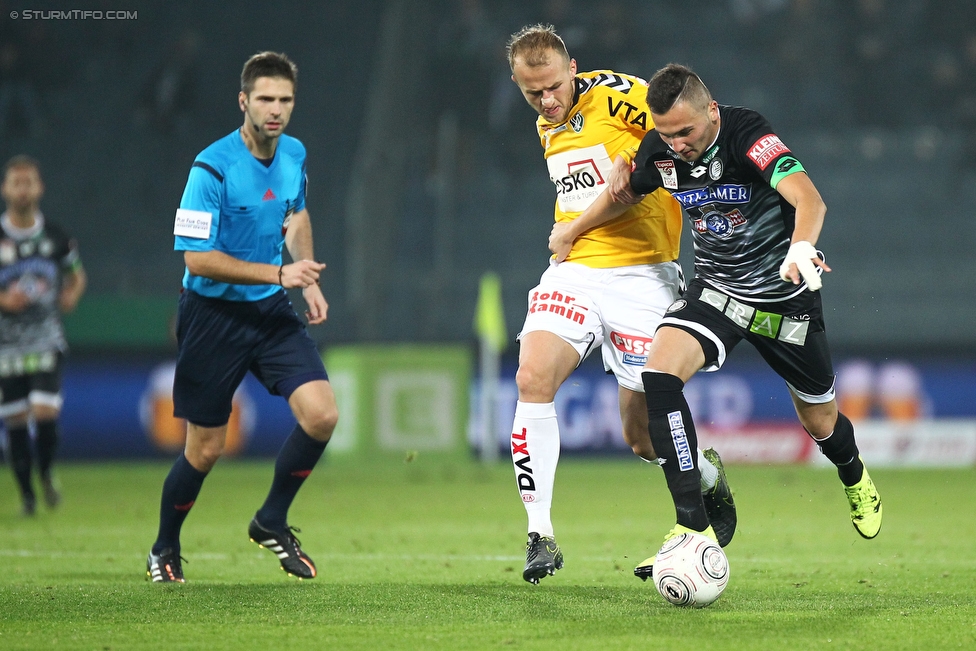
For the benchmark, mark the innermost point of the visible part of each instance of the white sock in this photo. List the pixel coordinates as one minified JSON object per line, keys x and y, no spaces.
{"x":535,"y":453}
{"x":709,"y":473}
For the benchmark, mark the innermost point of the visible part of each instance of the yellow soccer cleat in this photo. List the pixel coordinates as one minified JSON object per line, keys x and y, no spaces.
{"x":865,"y":505}
{"x":645,"y":570}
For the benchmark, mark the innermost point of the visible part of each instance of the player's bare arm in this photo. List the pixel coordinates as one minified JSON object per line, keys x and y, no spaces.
{"x":14,"y":300}
{"x":300,"y":246}
{"x":72,"y":287}
{"x":618,"y":182}
{"x":800,"y":192}
{"x":602,"y":210}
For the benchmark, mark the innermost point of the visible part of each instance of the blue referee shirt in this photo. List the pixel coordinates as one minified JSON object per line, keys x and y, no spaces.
{"x":235,"y":204}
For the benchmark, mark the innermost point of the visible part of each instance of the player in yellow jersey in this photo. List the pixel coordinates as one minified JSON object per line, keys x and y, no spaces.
{"x":608,"y":290}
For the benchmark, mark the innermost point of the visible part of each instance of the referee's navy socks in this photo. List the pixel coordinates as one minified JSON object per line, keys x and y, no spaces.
{"x":841,"y":448}
{"x":295,"y":461}
{"x":180,"y":491}
{"x":673,"y":435}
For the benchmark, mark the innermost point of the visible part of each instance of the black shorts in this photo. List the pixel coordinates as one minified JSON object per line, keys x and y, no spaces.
{"x":34,"y":378}
{"x":220,"y":341}
{"x":788,"y":334}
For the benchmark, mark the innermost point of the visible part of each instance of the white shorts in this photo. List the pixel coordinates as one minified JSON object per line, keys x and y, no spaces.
{"x":617,"y":309}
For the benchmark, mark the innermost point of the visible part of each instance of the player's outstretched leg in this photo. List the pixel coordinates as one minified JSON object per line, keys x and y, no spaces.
{"x":865,"y":502}
{"x":535,"y":453}
{"x":673,"y":436}
{"x":719,"y":504}
{"x":286,"y":547}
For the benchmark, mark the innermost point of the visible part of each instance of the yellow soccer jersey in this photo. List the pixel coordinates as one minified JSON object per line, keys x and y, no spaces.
{"x":610,"y":117}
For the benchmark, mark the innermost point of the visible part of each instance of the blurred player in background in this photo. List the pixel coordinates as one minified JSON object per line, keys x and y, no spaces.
{"x":244,"y":200}
{"x":608,"y":293}
{"x":41,"y":277}
{"x":756,"y":217}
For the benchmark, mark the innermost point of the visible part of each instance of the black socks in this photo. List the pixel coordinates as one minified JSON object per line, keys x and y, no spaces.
{"x":673,"y":435}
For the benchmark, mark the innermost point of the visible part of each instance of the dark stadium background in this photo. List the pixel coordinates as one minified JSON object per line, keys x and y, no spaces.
{"x":425,"y":171}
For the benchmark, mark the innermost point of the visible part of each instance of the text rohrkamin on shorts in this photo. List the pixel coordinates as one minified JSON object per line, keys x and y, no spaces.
{"x":74,"y":14}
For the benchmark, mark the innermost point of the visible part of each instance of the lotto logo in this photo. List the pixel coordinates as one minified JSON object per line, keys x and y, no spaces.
{"x":764,"y":150}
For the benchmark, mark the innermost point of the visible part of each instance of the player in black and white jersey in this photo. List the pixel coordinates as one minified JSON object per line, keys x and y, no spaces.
{"x":756,"y":217}
{"x":40,"y":278}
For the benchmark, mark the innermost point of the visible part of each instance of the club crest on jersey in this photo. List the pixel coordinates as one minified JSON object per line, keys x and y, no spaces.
{"x":717,"y":222}
{"x":576,"y":122}
{"x":668,"y":175}
{"x":715,"y":169}
{"x":677,"y":305}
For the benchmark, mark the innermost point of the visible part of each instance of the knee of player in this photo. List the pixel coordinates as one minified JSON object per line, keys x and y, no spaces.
{"x":205,"y":456}
{"x":534,"y":385}
{"x":44,"y":413}
{"x":321,"y":423}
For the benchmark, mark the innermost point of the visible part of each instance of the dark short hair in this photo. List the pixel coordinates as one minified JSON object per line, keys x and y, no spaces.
{"x":20,"y":161}
{"x":534,"y":43}
{"x":675,"y":82}
{"x":268,"y":64}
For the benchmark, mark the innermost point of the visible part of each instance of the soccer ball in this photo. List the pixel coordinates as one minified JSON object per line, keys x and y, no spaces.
{"x":691,"y":570}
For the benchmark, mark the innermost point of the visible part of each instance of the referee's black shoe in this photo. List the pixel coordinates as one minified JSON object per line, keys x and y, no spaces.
{"x":286,"y":547}
{"x":719,"y":504}
{"x":165,"y":567}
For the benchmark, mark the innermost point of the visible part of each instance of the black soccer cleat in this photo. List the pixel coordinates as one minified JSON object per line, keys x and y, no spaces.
{"x":52,"y":496}
{"x":719,"y":505}
{"x":286,"y":547}
{"x":29,"y":506}
{"x":542,"y":558}
{"x":165,"y":567}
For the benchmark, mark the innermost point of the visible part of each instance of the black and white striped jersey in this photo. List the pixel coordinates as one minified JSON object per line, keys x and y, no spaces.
{"x":740,"y":224}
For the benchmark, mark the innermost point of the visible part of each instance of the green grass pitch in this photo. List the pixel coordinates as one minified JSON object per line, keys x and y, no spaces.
{"x":428,"y":555}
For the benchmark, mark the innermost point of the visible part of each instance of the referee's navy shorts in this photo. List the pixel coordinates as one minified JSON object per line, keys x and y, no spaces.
{"x":789,"y":335}
{"x":220,"y":341}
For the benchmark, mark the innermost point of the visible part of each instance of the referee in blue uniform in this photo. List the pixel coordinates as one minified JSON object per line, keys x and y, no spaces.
{"x":244,"y":199}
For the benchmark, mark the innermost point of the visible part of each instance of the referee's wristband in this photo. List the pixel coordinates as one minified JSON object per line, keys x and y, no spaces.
{"x":280,"y":268}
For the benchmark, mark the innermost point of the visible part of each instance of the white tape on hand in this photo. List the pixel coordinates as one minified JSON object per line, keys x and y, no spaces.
{"x":802,"y":254}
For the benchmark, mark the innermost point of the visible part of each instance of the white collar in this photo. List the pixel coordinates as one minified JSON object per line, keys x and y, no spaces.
{"x":19,"y":233}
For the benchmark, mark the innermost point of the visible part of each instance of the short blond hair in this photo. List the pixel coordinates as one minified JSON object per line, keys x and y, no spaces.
{"x":533,"y":44}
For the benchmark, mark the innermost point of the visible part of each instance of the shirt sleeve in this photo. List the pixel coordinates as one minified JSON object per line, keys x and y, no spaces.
{"x":300,"y":201}
{"x":201,"y":194}
{"x":646,"y":176}
{"x":765,"y":152}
